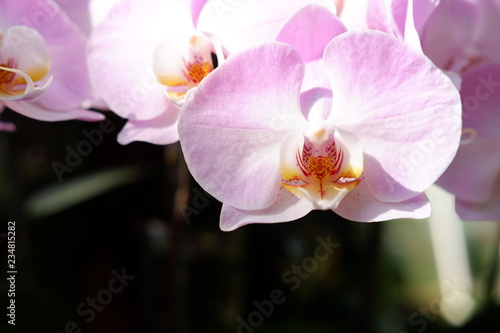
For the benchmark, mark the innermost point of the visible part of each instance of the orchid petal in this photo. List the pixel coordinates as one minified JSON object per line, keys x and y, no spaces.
{"x":309,"y":30}
{"x":316,"y":104}
{"x":161,"y":130}
{"x":395,"y":100}
{"x":359,"y":205}
{"x":231,"y":137}
{"x":315,"y":77}
{"x":99,"y":10}
{"x":422,"y":9}
{"x":66,"y":47}
{"x":7,"y":127}
{"x":30,"y":54}
{"x":474,"y":173}
{"x":121,"y":55}
{"x":480,"y":92}
{"x":353,"y":14}
{"x":472,"y":211}
{"x":382,"y":16}
{"x":287,"y":207}
{"x":196,"y":7}
{"x":241,"y":24}
{"x":38,"y":111}
{"x":460,"y":34}
{"x":411,"y":36}
{"x":80,"y":12}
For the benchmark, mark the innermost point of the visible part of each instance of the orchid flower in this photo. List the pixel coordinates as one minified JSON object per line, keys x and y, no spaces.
{"x":474,"y":175}
{"x":461,"y":36}
{"x":403,"y":19}
{"x":42,"y":62}
{"x":365,"y":147}
{"x":87,"y":14}
{"x":147,"y":55}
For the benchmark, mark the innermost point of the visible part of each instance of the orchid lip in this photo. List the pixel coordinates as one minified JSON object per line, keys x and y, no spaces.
{"x":324,"y":171}
{"x":24,"y":67}
{"x":180,"y":64}
{"x":16,"y":84}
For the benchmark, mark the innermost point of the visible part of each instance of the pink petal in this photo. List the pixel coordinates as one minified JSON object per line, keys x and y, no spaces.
{"x":404,"y":110}
{"x":161,"y":130}
{"x":121,"y":55}
{"x":472,"y":211}
{"x":459,"y":31}
{"x":480,"y":91}
{"x":315,"y":76}
{"x":399,"y":8}
{"x":489,"y":24}
{"x":31,"y":56}
{"x":232,"y":125}
{"x":309,"y":30}
{"x":79,"y":12}
{"x":287,"y":208}
{"x":66,"y":47}
{"x":382,"y":17}
{"x":38,"y":111}
{"x":196,"y":7}
{"x":353,"y":13}
{"x":359,"y":205}
{"x":474,"y":173}
{"x":87,"y":13}
{"x":450,"y":27}
{"x":422,"y":9}
{"x":241,"y":24}
{"x":7,"y":127}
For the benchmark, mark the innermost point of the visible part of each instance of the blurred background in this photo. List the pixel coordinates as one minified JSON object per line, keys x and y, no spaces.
{"x":124,"y":240}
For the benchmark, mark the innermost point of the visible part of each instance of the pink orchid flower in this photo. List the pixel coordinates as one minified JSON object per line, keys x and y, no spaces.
{"x":147,"y":55}
{"x":365,"y":147}
{"x":393,"y":16}
{"x":42,"y":62}
{"x":462,"y":37}
{"x":474,"y":175}
{"x":462,"y":34}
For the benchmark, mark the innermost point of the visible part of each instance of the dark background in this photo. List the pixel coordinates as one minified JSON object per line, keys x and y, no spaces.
{"x":136,"y":209}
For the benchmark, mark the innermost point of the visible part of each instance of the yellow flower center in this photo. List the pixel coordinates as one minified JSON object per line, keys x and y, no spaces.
{"x":198,"y":72}
{"x":322,"y":173}
{"x":8,"y":79}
